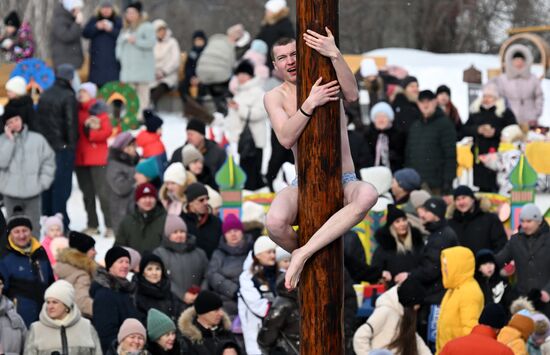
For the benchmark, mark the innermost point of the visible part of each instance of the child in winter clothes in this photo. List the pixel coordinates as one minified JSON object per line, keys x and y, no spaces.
{"x":16,"y":43}
{"x":540,"y":334}
{"x":495,"y":288}
{"x":172,"y":192}
{"x":150,"y":139}
{"x":53,"y":228}
{"x":517,"y":332}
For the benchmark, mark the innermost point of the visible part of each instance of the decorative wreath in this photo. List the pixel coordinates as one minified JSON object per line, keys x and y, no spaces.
{"x":115,"y":90}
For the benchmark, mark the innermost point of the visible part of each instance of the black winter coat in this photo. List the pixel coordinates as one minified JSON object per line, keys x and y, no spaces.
{"x":214,"y":156}
{"x":208,"y":234}
{"x":386,"y":256}
{"x":397,"y":141}
{"x":431,"y":150}
{"x":360,"y":152}
{"x":24,"y":107}
{"x":57,"y":116}
{"x":478,"y":230}
{"x":180,"y":348}
{"x":355,"y":260}
{"x":406,"y":113}
{"x":496,"y":289}
{"x":158,"y":296}
{"x":429,"y":271}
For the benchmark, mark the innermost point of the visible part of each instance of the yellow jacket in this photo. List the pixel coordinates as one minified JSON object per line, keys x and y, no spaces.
{"x":511,"y":337}
{"x":463,"y":301}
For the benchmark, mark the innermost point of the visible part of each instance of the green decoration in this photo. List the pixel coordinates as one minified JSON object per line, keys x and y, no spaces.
{"x":523,"y":176}
{"x":230,"y":176}
{"x":127,"y":118}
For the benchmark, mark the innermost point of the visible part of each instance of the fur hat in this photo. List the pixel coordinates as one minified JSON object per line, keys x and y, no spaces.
{"x":90,"y":88}
{"x":17,"y":85}
{"x":207,"y":301}
{"x":131,"y":326}
{"x":173,"y":223}
{"x":262,"y":244}
{"x":81,"y":242}
{"x":175,"y":173}
{"x":62,"y":291}
{"x":484,"y":256}
{"x":190,"y":154}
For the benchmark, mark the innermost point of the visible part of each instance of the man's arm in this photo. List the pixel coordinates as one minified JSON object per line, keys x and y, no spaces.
{"x":326,"y":46}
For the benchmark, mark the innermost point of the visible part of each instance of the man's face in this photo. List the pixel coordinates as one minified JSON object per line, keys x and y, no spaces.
{"x":464,"y":203}
{"x":285,"y":61}
{"x":15,"y":124}
{"x":199,"y":205}
{"x":195,"y":138}
{"x":396,"y":189}
{"x":427,"y":107}
{"x":518,"y":63}
{"x":20,"y":236}
{"x":529,"y":226}
{"x":212,"y":318}
{"x":412,"y":89}
{"x":146,"y":203}
{"x":427,"y":216}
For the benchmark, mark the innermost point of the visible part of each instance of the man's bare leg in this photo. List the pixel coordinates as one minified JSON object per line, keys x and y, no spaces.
{"x":281,"y":216}
{"x":359,"y":198}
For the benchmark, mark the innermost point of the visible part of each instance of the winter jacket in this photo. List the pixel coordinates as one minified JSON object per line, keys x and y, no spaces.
{"x":275,"y":28}
{"x":158,"y":296}
{"x":208,"y":232}
{"x":281,"y":326}
{"x":224,"y":269}
{"x":431,"y":150}
{"x":112,"y":305}
{"x":27,"y":164}
{"x":91,"y":148}
{"x":78,"y":269}
{"x":151,"y":143}
{"x":511,"y":337}
{"x":113,"y":350}
{"x":521,"y":89}
{"x":12,"y":328}
{"x":57,"y":116}
{"x":388,"y":257}
{"x":65,"y":43}
{"x":429,"y":271}
{"x":261,"y":70}
{"x":452,"y":112}
{"x":215,"y":65}
{"x":142,"y":231}
{"x":72,"y":335}
{"x":255,"y":299}
{"x":396,"y":146}
{"x":180,"y":347}
{"x":202,"y":341}
{"x":497,"y":117}
{"x":481,"y":341}
{"x":249,"y":98}
{"x":137,"y":61}
{"x":167,"y":60}
{"x":26,"y":276}
{"x":406,"y":113}
{"x":104,"y":66}
{"x":185,"y":264}
{"x":214,"y":156}
{"x":24,"y":107}
{"x":477,"y":229}
{"x":383,"y":325}
{"x":22,"y":44}
{"x":360,"y":152}
{"x":121,"y":169}
{"x":463,"y":301}
{"x":496,"y":289}
{"x":530,"y":254}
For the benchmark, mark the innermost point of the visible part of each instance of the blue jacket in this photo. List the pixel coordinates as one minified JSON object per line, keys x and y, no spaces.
{"x":104,"y":66}
{"x":26,"y":278}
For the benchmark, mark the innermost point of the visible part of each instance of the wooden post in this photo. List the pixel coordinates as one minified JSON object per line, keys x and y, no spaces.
{"x":321,"y":193}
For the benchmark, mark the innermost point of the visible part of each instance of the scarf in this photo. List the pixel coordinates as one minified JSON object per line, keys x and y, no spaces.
{"x":382,"y":151}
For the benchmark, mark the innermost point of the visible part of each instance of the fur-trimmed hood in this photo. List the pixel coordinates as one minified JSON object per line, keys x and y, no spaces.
{"x":77,"y":259}
{"x":512,"y":72}
{"x":274,"y":18}
{"x":500,"y":106}
{"x":187,"y":326}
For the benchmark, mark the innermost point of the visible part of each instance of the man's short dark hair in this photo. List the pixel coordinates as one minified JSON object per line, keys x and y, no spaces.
{"x":283,"y":41}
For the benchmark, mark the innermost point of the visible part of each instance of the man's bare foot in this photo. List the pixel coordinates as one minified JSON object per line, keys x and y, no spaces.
{"x":297,"y":262}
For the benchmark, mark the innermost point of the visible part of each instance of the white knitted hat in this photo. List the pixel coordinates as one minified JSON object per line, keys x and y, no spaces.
{"x":17,"y":85}
{"x":175,"y":173}
{"x":263,"y":244}
{"x":61,"y":290}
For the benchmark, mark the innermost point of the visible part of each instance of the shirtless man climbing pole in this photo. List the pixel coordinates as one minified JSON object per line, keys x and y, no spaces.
{"x":288,"y":122}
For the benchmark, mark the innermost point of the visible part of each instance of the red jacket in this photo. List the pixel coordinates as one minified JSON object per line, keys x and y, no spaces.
{"x":150,"y":143}
{"x":91,"y":148}
{"x":481,"y":341}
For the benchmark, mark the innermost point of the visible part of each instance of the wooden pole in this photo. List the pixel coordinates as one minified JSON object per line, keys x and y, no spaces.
{"x":321,"y":193}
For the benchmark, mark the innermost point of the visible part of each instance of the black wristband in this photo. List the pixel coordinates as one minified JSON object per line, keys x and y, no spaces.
{"x":304,"y":113}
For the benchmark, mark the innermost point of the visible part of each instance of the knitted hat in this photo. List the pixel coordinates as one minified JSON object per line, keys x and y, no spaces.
{"x":253,"y":212}
{"x":436,"y":206}
{"x":173,"y":223}
{"x":55,"y":220}
{"x":90,"y":88}
{"x":106,"y":3}
{"x":411,"y":292}
{"x":419,"y":197}
{"x":81,"y":242}
{"x":190,"y":154}
{"x":394,"y":214}
{"x":426,"y":95}
{"x":18,"y":219}
{"x":175,"y":173}
{"x":149,"y":167}
{"x":194,"y":191}
{"x":214,"y":198}
{"x":135,"y":258}
{"x":408,"y":179}
{"x":131,"y":326}
{"x":146,"y":189}
{"x":207,"y":301}
{"x":158,"y":324}
{"x":62,"y":291}
{"x":493,"y":315}
{"x":490,"y":90}
{"x":159,"y":23}
{"x":484,"y":256}
{"x":275,"y":5}
{"x":197,"y":126}
{"x":10,"y":111}
{"x":443,"y":89}
{"x":281,"y":254}
{"x":523,"y":323}
{"x":70,"y":5}
{"x":231,"y":222}
{"x":262,"y":244}
{"x":382,"y":107}
{"x":12,"y":20}
{"x":199,"y":34}
{"x":17,"y":85}
{"x":542,"y":327}
{"x":408,"y":80}
{"x":114,"y":254}
{"x":149,"y":258}
{"x":246,"y":67}
{"x":136,"y":5}
{"x":368,"y":67}
{"x":152,"y":121}
{"x":65,"y":71}
{"x":123,"y":140}
{"x":463,"y":190}
{"x":259,"y":46}
{"x":530,"y":212}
